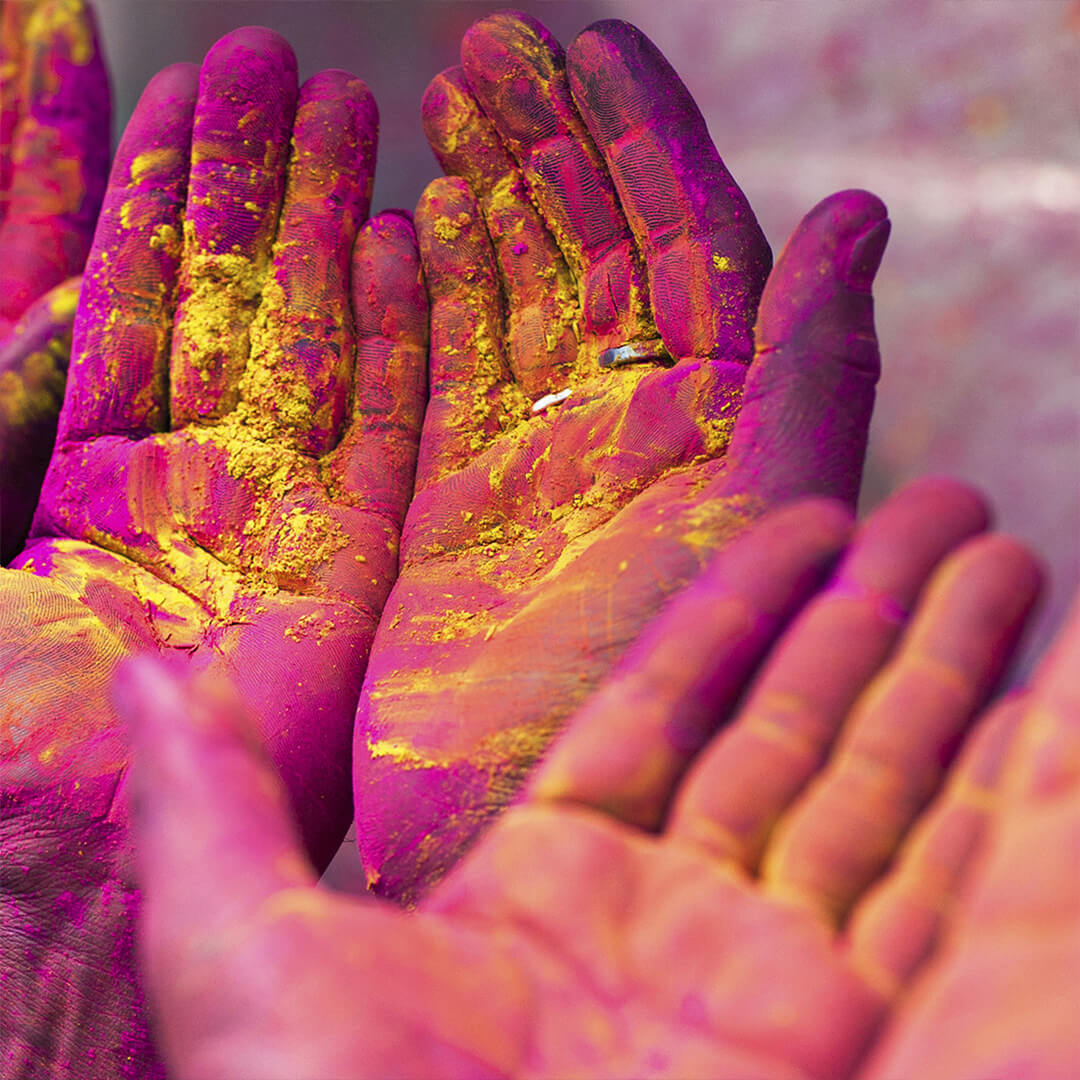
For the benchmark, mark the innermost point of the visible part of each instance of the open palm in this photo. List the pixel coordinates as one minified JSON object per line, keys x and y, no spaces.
{"x":223,"y":490}
{"x":593,"y":432}
{"x":672,"y":897}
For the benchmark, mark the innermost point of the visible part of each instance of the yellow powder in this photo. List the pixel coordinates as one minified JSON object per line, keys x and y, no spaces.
{"x":63,"y":20}
{"x":151,"y":161}
{"x":64,"y":300}
{"x":447,"y":229}
{"x":164,"y":238}
{"x":36,"y":392}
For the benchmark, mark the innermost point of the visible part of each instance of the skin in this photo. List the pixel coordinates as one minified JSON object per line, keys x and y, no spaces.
{"x":787,"y":875}
{"x":234,"y":458}
{"x":585,"y":207}
{"x":54,"y":158}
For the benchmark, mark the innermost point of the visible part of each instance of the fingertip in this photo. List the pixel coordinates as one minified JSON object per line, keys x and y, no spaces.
{"x":856,"y":208}
{"x":622,"y":82}
{"x":851,"y":228}
{"x":620,"y":52}
{"x":899,"y":546}
{"x":145,"y":690}
{"x":866,"y":218}
{"x":252,"y":44}
{"x":493,"y":36}
{"x":1004,"y":571}
{"x":177,"y":82}
{"x":441,"y":190}
{"x":336,"y":83}
{"x":605,"y":30}
{"x":391,"y":226}
{"x":436,"y":105}
{"x":398,"y":212}
{"x":825,"y":521}
{"x":450,"y":233}
{"x":809,"y":533}
{"x":159,"y":695}
{"x":497,"y":53}
{"x":938,"y":500}
{"x":389,"y":298}
{"x":601,"y":41}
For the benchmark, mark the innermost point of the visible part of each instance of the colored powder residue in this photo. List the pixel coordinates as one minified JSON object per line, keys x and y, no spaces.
{"x":35,"y":393}
{"x":62,"y":20}
{"x":143,"y":165}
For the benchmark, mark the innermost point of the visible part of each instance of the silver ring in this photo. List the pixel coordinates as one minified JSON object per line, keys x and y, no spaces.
{"x":540,"y":404}
{"x":651,"y":351}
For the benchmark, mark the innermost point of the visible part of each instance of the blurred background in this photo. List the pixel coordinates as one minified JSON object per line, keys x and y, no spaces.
{"x":963,"y":115}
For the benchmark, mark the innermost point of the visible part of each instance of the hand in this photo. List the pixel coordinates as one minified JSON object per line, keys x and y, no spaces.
{"x":540,"y":542}
{"x":665,"y":901}
{"x":224,"y":490}
{"x":54,"y":156}
{"x":990,"y":927}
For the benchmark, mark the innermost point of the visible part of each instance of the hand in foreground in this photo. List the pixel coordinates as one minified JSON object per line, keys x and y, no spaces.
{"x":665,"y":901}
{"x":539,"y":543}
{"x":54,"y":156}
{"x":222,"y":491}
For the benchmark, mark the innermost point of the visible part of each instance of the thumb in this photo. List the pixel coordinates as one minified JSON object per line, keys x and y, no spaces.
{"x":213,"y":837}
{"x":809,"y":393}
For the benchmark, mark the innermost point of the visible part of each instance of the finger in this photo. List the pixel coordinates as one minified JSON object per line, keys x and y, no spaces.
{"x":33,"y":369}
{"x":541,"y":297}
{"x":1047,"y":760}
{"x":517,"y":71}
{"x":1019,"y":884}
{"x":376,"y":460}
{"x":782,"y":736}
{"x":468,"y":376}
{"x":625,"y":751}
{"x":214,"y":839}
{"x":809,"y":392}
{"x":707,"y":258}
{"x":843,"y":830}
{"x":299,"y":375}
{"x":59,"y":155}
{"x":240,"y":142}
{"x":120,"y":348}
{"x":899,"y":925}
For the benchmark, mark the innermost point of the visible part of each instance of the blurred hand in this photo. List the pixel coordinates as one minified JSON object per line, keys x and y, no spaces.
{"x":54,"y":146}
{"x":224,"y":490}
{"x":54,"y":156}
{"x":666,"y":900}
{"x":588,"y":211}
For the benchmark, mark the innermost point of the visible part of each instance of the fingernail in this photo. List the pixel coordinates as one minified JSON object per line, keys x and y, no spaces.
{"x":864,"y":256}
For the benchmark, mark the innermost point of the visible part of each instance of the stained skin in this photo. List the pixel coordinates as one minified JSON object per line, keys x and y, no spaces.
{"x":234,"y":457}
{"x":791,"y":876}
{"x":54,"y":159}
{"x":586,"y":208}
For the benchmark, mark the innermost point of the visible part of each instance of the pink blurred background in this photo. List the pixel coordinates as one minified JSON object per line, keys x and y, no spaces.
{"x":963,"y":115}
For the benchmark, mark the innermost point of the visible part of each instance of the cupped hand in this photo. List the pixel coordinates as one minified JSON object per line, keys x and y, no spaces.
{"x":700,"y":881}
{"x":54,"y":157}
{"x":232,"y":467}
{"x":596,"y":428}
